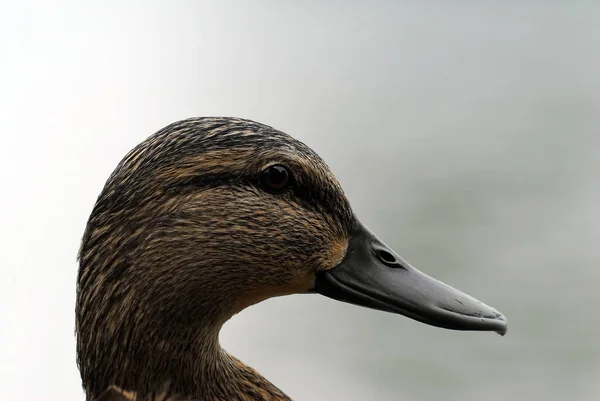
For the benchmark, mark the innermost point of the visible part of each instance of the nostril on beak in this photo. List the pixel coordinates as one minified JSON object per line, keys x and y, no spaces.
{"x":386,"y":257}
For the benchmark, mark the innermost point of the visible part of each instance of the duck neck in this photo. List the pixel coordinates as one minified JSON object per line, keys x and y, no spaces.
{"x":186,"y":365}
{"x":217,"y":375}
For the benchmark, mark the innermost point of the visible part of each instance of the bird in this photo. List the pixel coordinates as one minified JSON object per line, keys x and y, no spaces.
{"x":205,"y":218}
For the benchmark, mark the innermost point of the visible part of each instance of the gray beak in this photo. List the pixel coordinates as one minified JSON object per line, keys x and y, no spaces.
{"x":374,"y":276}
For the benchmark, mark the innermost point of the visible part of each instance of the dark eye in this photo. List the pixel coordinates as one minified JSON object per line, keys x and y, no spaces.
{"x":275,"y":178}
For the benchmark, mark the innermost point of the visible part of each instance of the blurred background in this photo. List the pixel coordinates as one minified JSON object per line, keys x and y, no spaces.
{"x":466,"y":135}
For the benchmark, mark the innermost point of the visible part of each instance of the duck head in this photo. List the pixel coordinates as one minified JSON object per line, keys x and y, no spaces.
{"x":209,"y":216}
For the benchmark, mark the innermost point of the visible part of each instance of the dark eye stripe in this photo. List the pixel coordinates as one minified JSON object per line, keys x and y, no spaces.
{"x":210,"y":180}
{"x":310,"y":195}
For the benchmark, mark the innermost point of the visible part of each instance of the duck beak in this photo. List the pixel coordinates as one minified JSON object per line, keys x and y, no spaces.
{"x":373,"y":275}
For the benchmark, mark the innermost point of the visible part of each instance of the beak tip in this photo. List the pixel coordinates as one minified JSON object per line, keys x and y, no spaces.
{"x":503,"y":329}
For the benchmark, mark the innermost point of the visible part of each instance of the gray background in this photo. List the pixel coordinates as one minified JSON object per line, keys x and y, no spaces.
{"x":466,"y":134}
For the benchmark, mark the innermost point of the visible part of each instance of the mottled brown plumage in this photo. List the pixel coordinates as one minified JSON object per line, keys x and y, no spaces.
{"x":181,"y":238}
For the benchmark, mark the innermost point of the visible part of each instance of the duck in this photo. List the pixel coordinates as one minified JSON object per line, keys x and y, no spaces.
{"x":205,"y":218}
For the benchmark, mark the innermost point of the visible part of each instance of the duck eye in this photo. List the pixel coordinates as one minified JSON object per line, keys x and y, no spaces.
{"x":275,"y":178}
